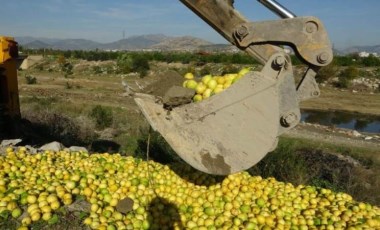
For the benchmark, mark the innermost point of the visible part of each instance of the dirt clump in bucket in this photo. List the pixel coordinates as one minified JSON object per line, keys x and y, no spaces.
{"x":164,"y":81}
{"x":168,"y":86}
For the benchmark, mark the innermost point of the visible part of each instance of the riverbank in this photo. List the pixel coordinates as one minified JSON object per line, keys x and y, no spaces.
{"x":345,"y":100}
{"x":367,"y":145}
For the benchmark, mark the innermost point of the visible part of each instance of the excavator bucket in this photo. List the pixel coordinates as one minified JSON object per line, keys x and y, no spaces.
{"x":232,"y":131}
{"x":228,"y":132}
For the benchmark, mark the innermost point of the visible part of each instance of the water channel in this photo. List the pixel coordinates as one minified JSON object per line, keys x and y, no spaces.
{"x":355,"y":121}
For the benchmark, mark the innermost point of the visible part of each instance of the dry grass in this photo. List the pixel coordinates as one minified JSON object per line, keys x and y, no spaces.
{"x":334,"y":99}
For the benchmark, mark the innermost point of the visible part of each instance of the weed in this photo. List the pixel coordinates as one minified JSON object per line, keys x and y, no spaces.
{"x":51,"y":126}
{"x":346,"y":77}
{"x":97,"y":69}
{"x":283,"y":164}
{"x":229,"y":69}
{"x":39,"y":67}
{"x":205,"y":70}
{"x":67,"y":69}
{"x":327,"y":72}
{"x":8,"y":223}
{"x":68,"y":85}
{"x":127,"y":63}
{"x":40,"y":102}
{"x":102,"y":116}
{"x":159,"y":149}
{"x":30,"y":80}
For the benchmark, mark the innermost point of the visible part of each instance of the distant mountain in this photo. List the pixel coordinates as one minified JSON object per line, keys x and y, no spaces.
{"x":181,"y":43}
{"x":219,"y":48}
{"x":28,"y":39}
{"x":75,"y":44}
{"x":136,"y":42}
{"x":357,"y":49}
{"x":36,"y":44}
{"x":152,"y":41}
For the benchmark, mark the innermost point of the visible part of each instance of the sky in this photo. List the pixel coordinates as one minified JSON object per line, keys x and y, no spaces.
{"x":348,"y":22}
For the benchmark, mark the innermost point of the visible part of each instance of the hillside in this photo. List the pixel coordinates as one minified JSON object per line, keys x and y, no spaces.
{"x":136,"y":42}
{"x":357,"y":49}
{"x":181,"y":43}
{"x":152,"y":41}
{"x":76,"y":44}
{"x":37,"y":44}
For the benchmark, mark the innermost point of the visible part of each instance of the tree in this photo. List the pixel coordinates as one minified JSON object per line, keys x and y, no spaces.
{"x":127,"y":63}
{"x":124,"y":63}
{"x":67,"y":69}
{"x":371,"y":60}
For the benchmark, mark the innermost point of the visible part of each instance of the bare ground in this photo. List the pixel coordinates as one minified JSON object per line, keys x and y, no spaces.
{"x":335,"y":136}
{"x":368,"y":143}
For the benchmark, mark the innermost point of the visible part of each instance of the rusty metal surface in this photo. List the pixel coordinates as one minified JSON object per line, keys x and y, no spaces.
{"x":308,"y":87}
{"x":306,"y":35}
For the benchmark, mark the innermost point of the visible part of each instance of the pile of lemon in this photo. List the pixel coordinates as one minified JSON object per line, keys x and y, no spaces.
{"x":210,"y":85}
{"x":34,"y":187}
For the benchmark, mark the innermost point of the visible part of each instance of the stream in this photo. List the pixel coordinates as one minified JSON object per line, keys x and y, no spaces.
{"x":354,"y":121}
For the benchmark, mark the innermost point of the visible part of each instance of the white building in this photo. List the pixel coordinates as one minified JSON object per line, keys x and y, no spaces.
{"x":366,"y":54}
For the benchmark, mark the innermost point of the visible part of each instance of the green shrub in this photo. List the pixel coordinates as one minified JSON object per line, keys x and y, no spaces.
{"x":124,"y":63}
{"x":159,"y":149}
{"x":283,"y":164}
{"x":102,"y":116}
{"x":40,"y":67}
{"x":97,"y":69}
{"x":68,"y":85}
{"x":45,"y":126}
{"x":371,"y":60}
{"x":327,"y":72}
{"x":346,"y":76}
{"x":377,"y":73}
{"x":205,"y":70}
{"x":127,"y":63}
{"x":67,"y":69}
{"x":229,"y":69}
{"x":141,"y":65}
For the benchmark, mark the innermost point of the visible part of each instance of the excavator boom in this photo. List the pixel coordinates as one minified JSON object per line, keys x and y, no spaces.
{"x":235,"y":129}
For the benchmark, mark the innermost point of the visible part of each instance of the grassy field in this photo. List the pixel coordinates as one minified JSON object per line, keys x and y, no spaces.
{"x":345,"y":100}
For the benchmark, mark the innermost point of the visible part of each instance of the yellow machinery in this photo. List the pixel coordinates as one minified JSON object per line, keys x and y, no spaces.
{"x":9,"y":99}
